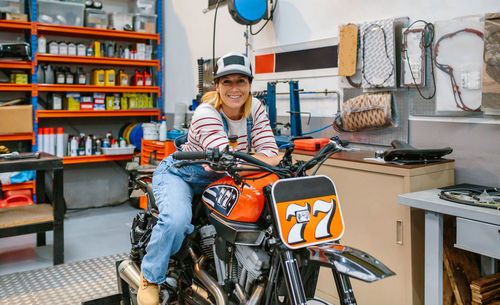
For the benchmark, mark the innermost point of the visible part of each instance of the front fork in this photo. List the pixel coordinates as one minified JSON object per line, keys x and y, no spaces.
{"x":295,"y":287}
{"x":293,"y":279}
{"x":344,"y":288}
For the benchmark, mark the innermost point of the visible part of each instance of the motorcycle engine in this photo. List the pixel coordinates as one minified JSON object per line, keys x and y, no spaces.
{"x":244,"y":264}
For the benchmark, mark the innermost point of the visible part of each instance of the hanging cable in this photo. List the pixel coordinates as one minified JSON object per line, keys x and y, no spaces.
{"x":429,"y":27}
{"x":317,"y":130}
{"x":213,"y":36}
{"x":457,"y":95}
{"x":270,"y":18}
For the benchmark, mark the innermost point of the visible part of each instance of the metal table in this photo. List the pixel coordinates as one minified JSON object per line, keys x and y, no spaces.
{"x":478,"y":230}
{"x":46,"y":163}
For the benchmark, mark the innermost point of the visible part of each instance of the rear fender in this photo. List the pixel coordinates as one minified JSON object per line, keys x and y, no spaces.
{"x":349,"y":261}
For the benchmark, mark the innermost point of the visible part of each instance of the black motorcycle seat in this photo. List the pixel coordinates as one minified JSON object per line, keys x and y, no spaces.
{"x":404,"y":153}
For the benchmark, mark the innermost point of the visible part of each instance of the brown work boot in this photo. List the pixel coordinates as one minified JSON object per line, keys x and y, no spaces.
{"x":147,"y":294}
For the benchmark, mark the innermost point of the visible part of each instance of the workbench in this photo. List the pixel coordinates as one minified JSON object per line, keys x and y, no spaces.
{"x":41,"y":216}
{"x":478,"y":231}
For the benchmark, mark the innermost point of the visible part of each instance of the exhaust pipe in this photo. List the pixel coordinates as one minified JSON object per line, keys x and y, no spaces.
{"x":257,"y":295}
{"x":211,"y":284}
{"x":129,"y":272}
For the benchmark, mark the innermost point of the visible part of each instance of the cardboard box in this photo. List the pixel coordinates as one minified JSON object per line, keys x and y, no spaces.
{"x":16,"y":119}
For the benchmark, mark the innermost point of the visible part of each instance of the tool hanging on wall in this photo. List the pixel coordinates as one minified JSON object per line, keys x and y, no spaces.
{"x":457,"y":95}
{"x":414,"y":49}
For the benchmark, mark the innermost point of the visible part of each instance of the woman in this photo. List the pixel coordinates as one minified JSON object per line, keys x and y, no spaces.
{"x":230,"y":110}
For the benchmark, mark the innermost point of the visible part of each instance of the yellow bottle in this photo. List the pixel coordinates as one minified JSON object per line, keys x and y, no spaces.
{"x":97,"y":49}
{"x":98,"y":77}
{"x":122,"y":78}
{"x":109,"y":77}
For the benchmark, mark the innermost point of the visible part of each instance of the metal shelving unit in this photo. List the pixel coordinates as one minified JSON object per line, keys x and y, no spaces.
{"x":96,"y":158}
{"x":96,"y":113}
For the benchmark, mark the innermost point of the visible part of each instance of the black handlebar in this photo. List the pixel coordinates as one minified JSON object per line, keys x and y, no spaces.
{"x":189,"y":155}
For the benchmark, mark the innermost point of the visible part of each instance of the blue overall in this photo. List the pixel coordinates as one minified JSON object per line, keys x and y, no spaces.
{"x":173,"y":190}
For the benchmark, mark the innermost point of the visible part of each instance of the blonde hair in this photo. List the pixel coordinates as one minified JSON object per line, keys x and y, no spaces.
{"x":213,"y":98}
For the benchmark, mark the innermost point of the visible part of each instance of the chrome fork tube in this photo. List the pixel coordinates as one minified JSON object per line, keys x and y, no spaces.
{"x":344,"y":289}
{"x":293,"y":279}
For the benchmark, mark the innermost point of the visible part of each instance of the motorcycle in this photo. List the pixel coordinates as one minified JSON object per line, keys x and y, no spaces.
{"x":258,"y":238}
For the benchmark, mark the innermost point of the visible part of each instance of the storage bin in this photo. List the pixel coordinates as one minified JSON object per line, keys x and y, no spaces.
{"x":96,"y":18}
{"x":16,"y":119}
{"x":119,"y":20}
{"x":12,"y":6}
{"x":158,"y":149}
{"x":118,"y":150}
{"x":145,"y":7}
{"x":58,"y":12}
{"x":145,"y":23}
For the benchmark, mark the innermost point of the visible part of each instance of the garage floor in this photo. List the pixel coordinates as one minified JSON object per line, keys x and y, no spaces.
{"x":94,"y":240}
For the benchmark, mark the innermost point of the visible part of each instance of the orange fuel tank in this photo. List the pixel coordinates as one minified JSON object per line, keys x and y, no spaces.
{"x":243,"y":203}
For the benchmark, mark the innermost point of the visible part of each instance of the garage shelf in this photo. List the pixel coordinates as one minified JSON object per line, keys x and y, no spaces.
{"x":96,"y":158}
{"x":20,"y":186}
{"x":15,"y":87}
{"x":88,"y":88}
{"x":64,"y":30}
{"x":15,"y":64}
{"x":17,"y":137}
{"x":96,"y":60}
{"x":15,"y":25}
{"x":96,"y":113}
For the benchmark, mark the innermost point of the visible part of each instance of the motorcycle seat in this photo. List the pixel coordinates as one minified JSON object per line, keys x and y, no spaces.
{"x":403,"y":153}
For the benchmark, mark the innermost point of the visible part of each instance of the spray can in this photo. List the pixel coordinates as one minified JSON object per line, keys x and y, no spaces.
{"x":59,"y":142}
{"x":98,"y":145}
{"x":52,"y":141}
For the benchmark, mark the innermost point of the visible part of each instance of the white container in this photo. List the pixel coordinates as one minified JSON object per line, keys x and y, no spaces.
{"x":145,"y":23}
{"x":119,"y":20}
{"x":163,"y":131}
{"x":42,"y":44}
{"x":39,"y":139}
{"x":45,"y":141}
{"x":150,"y":131}
{"x":74,"y":147}
{"x":88,"y":146}
{"x":81,"y":49}
{"x":119,"y":150}
{"x":52,"y":142}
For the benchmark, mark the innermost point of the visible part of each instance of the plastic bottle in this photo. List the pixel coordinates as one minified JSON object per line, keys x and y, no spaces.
{"x":113,"y":143}
{"x":98,"y":150}
{"x":49,"y":74}
{"x":109,"y":77}
{"x":52,"y":141}
{"x":126,"y":54}
{"x":163,"y":130}
{"x":60,"y":76}
{"x":71,"y":49}
{"x":148,"y":79}
{"x":97,"y":49}
{"x":81,"y":77}
{"x":90,"y":50}
{"x":81,"y":145}
{"x":138,"y":79}
{"x":88,"y":145}
{"x":42,"y":44}
{"x":80,"y":49}
{"x":122,"y":78}
{"x":74,"y":147}
{"x":40,"y":74}
{"x":60,"y":142}
{"x":39,"y":139}
{"x":123,"y":143}
{"x":63,"y":48}
{"x":70,"y":77}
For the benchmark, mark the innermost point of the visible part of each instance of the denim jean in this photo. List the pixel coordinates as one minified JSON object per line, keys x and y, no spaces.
{"x":173,"y":190}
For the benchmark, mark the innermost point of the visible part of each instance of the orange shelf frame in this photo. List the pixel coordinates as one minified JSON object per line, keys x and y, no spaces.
{"x":13,"y":64}
{"x":96,"y":60}
{"x":95,"y":113}
{"x":20,"y":186}
{"x":18,"y":137}
{"x":88,"y":88}
{"x":15,"y":87}
{"x":92,"y":32}
{"x":15,"y":25}
{"x":95,"y":158}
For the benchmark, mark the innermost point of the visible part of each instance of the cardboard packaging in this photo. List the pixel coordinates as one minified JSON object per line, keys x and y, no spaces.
{"x":16,"y":119}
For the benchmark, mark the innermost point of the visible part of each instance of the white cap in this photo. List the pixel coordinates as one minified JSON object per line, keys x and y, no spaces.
{"x":233,"y":63}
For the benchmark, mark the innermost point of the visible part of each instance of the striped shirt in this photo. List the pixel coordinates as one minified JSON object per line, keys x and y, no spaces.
{"x":207,"y":131}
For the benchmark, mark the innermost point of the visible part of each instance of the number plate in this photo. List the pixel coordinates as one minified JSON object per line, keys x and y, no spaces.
{"x":307,"y":211}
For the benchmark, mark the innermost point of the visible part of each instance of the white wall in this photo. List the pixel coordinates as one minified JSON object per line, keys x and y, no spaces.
{"x":188,"y":37}
{"x":188,"y":29}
